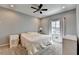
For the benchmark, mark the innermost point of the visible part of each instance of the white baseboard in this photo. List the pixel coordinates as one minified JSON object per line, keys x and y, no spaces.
{"x":4,"y":45}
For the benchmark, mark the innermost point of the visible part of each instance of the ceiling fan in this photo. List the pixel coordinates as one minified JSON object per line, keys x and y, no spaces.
{"x":39,"y":8}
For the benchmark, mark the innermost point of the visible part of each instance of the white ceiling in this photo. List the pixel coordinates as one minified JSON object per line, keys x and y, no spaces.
{"x":52,"y":9}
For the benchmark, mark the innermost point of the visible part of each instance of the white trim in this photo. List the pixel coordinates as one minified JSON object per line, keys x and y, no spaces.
{"x":4,"y":45}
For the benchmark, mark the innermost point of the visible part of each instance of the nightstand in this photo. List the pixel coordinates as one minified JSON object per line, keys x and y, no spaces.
{"x":14,"y":40}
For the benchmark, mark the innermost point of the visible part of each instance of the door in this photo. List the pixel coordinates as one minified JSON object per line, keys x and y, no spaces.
{"x":56,"y":31}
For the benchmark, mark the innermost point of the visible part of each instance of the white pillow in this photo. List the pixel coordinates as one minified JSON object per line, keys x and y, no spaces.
{"x":33,"y":33}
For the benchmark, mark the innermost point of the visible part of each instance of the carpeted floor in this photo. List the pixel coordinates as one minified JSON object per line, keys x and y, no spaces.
{"x":5,"y":50}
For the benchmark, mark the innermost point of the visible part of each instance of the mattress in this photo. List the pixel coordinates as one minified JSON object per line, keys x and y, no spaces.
{"x":33,"y":41}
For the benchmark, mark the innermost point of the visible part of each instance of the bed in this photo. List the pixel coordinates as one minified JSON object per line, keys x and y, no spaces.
{"x":34,"y":41}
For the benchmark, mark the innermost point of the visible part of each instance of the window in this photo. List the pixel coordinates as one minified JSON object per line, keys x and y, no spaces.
{"x":56,"y":30}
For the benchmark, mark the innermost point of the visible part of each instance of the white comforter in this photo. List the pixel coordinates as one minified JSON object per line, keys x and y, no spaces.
{"x":32,"y":41}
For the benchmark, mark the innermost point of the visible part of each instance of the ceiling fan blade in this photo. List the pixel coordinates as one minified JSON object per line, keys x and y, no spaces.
{"x":44,"y":9}
{"x":40,"y":12}
{"x":40,"y":6}
{"x":33,"y":7}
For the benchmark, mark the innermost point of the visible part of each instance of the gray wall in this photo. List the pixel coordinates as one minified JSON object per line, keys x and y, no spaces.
{"x":70,"y":22}
{"x":77,"y":14}
{"x":12,"y":22}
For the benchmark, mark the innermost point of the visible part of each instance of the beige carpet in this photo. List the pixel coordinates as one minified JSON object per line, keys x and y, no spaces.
{"x":5,"y":50}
